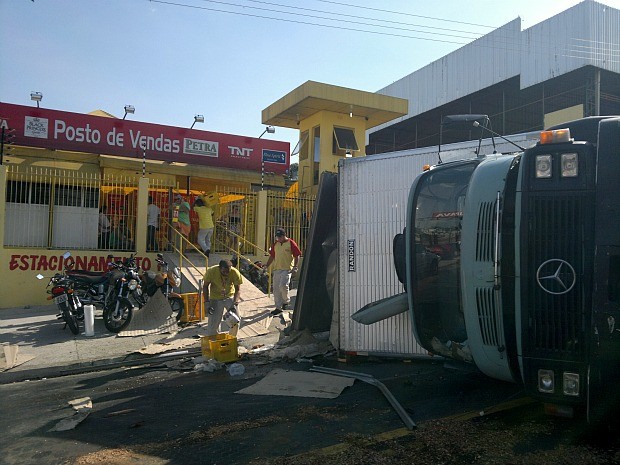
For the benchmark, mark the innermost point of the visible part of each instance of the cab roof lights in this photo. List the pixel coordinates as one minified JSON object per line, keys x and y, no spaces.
{"x":556,"y":136}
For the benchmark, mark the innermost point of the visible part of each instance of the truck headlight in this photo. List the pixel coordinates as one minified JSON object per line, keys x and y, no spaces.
{"x":546,"y":381}
{"x":569,"y":165}
{"x":543,"y":166}
{"x":571,"y":384}
{"x":132,"y":285}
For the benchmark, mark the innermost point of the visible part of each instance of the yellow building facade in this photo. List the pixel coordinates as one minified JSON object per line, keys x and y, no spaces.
{"x":332,"y":123}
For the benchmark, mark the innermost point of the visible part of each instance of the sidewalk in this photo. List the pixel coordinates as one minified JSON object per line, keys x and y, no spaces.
{"x":46,"y":350}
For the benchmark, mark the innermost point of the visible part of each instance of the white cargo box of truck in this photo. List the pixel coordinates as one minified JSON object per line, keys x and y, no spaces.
{"x":372,"y":201}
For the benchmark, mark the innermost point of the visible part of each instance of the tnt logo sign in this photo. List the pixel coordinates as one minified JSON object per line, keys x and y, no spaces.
{"x":240,"y":152}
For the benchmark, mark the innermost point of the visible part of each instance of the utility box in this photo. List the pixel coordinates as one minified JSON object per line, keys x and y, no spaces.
{"x":372,"y":202}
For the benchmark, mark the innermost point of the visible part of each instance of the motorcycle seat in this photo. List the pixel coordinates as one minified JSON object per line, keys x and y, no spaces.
{"x":84,"y":273}
{"x":100,"y":279}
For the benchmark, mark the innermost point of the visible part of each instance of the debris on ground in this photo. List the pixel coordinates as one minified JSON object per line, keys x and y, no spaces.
{"x":82,"y":407}
{"x":206,"y":364}
{"x":300,"y":344}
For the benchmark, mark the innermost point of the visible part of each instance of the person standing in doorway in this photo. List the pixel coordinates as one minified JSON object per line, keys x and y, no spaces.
{"x":105,"y":227}
{"x":284,"y":255}
{"x":221,"y":291}
{"x":234,"y":224}
{"x":184,"y":225}
{"x":152,"y":222}
{"x":205,"y":225}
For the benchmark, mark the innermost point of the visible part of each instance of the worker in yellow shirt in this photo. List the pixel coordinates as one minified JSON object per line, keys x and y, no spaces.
{"x":205,"y":225}
{"x":221,"y":291}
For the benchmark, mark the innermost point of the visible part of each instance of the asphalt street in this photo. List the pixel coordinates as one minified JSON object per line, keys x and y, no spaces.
{"x":175,"y":415}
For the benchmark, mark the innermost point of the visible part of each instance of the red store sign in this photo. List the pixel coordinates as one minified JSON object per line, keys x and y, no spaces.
{"x":61,"y":130}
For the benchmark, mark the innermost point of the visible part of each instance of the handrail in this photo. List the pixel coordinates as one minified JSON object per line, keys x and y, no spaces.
{"x":177,"y":235}
{"x":239,"y":255}
{"x":222,"y":224}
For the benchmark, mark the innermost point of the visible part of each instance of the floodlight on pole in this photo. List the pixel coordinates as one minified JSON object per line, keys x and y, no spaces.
{"x":198,"y":119}
{"x":36,"y":96}
{"x":269,"y":129}
{"x":129,"y":109}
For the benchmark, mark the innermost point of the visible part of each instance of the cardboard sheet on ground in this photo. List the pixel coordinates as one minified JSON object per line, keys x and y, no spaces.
{"x":255,"y":321}
{"x":82,"y":407}
{"x":254,"y":312}
{"x":11,"y":357}
{"x":280,"y":382}
{"x":154,"y":318}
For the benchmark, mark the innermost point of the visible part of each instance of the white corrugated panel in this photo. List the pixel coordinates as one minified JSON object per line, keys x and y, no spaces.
{"x":486,"y":61}
{"x":587,"y":34}
{"x":372,"y":195}
{"x":373,"y":198}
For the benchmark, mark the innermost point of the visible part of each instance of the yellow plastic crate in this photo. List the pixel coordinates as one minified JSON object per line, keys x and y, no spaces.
{"x":221,"y":347}
{"x":192,"y":308}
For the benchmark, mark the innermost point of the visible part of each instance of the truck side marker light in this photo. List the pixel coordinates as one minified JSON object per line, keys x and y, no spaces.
{"x":555,"y":137}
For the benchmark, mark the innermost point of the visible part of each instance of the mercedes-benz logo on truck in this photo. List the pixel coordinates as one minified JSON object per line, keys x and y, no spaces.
{"x":556,"y":276}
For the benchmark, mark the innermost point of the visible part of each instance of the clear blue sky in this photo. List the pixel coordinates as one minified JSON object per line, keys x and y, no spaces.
{"x":172,"y":61}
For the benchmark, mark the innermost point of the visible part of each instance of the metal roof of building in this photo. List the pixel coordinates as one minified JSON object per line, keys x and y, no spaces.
{"x":587,"y":34}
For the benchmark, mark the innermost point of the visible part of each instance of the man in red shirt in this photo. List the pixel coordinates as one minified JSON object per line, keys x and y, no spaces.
{"x":284,"y":254}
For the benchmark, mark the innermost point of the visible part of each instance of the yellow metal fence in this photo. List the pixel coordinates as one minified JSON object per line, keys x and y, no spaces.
{"x":65,"y":209}
{"x":235,"y":221}
{"x":291,"y":212}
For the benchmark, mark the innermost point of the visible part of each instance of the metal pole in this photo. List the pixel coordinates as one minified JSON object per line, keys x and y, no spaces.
{"x":2,"y":148}
{"x":143,"y":163}
{"x":262,"y":174}
{"x":409,"y":423}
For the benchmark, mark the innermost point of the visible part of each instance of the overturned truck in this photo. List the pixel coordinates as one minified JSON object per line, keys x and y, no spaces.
{"x":528,"y":285}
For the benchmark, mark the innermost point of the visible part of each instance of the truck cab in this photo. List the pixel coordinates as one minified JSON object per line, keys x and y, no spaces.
{"x":533,"y":294}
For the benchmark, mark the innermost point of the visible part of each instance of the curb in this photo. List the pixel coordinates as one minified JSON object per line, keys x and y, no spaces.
{"x":9,"y":377}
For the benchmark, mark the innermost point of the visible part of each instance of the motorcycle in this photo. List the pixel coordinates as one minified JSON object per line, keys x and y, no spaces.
{"x":133,"y":288}
{"x":254,"y":272}
{"x":93,"y":287}
{"x":63,"y":295}
{"x":165,"y":280}
{"x":125,"y":294}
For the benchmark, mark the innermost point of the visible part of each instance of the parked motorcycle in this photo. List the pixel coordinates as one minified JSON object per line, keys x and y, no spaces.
{"x":165,"y":280}
{"x":125,"y":294}
{"x":133,"y":288}
{"x":93,"y":287}
{"x":254,"y":272}
{"x":62,"y":293}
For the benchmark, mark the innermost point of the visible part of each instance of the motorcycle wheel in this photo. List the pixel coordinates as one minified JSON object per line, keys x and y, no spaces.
{"x":178,"y":307}
{"x":70,"y":318}
{"x":116,"y":320}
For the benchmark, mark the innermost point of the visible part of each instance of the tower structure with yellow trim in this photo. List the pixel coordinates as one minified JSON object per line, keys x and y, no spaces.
{"x":332,"y":123}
